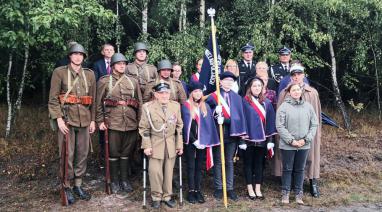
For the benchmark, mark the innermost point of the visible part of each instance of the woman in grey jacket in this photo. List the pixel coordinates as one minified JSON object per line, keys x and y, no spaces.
{"x":296,"y":123}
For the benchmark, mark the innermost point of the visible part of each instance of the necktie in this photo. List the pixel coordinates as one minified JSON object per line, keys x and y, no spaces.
{"x":108,"y":69}
{"x":226,"y":98}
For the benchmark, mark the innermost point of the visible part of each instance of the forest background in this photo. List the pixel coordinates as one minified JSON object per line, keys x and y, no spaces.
{"x":339,"y":41}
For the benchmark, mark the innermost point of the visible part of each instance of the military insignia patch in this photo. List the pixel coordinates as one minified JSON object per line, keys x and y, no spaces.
{"x":172,"y":119}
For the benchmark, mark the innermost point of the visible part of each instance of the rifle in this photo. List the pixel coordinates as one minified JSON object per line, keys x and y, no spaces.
{"x":65,"y":161}
{"x":107,"y":165}
{"x":144,"y":181}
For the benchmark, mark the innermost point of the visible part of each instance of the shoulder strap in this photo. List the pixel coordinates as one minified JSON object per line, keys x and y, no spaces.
{"x":70,"y":87}
{"x":111,"y":87}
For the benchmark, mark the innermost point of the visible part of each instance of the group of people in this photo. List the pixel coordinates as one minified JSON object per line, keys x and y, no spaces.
{"x":265,"y":114}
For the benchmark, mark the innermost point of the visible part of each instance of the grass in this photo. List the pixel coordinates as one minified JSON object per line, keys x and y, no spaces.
{"x":351,"y":165}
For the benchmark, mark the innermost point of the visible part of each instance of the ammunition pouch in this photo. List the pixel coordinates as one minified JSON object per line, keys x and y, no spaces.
{"x":113,"y":103}
{"x":73,"y":99}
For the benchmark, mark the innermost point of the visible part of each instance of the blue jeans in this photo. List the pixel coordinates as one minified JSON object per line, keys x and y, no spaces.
{"x":293,"y":163}
{"x":230,"y":145}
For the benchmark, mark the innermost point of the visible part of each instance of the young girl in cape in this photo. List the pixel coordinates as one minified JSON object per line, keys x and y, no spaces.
{"x":260,"y":119}
{"x":200,"y":135}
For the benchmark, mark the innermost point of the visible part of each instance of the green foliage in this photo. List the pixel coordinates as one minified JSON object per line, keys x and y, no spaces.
{"x":306,"y":26}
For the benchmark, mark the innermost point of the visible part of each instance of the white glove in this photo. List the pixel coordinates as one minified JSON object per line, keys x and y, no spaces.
{"x":220,"y":120}
{"x":198,"y":145}
{"x":218,"y":109}
{"x":243,"y":146}
{"x":270,"y":145}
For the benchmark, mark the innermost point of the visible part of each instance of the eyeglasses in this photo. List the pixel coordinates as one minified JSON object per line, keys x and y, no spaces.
{"x":231,"y":66}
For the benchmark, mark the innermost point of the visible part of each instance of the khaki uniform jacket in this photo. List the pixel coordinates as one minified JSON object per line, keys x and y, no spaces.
{"x":177,"y":91}
{"x":144,"y":73}
{"x":78,"y":115}
{"x":167,"y":132}
{"x":120,"y":117}
{"x":312,"y":168}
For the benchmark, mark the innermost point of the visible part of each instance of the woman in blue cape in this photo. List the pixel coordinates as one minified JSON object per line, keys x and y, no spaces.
{"x":200,"y":135}
{"x":260,"y":119}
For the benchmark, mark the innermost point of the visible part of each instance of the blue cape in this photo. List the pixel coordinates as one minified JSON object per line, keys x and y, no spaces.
{"x":207,"y":133}
{"x":238,"y":125}
{"x":257,"y":131}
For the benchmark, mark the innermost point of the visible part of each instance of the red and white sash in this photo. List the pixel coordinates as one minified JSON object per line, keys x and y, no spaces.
{"x":226,"y":109}
{"x":257,"y":107}
{"x":209,"y":157}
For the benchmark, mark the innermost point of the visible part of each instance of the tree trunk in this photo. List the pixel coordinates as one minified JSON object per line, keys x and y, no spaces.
{"x":336,"y":89}
{"x":9,"y":102}
{"x":182,"y":16}
{"x":144,"y":18}
{"x":202,"y":11}
{"x":117,"y":28}
{"x":22,"y":83}
{"x":377,"y":79}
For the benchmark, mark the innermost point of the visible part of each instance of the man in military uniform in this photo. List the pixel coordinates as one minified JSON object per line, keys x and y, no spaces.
{"x":161,"y":130}
{"x":143,"y":72}
{"x":177,"y":92}
{"x":281,"y":69}
{"x":71,"y":97}
{"x":118,"y":111}
{"x":247,"y":66}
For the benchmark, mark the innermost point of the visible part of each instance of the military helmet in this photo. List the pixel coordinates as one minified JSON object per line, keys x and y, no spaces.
{"x":77,"y":48}
{"x":164,"y":64}
{"x":140,"y":46}
{"x":117,"y":57}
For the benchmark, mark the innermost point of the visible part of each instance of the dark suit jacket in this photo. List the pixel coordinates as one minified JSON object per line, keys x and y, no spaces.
{"x":99,"y":68}
{"x":245,"y":74}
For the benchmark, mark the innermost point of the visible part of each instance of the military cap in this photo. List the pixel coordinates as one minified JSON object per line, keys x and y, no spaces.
{"x":194,"y":85}
{"x":117,"y":57}
{"x":248,"y":46}
{"x":164,"y":64}
{"x":296,"y":68}
{"x":77,"y":48}
{"x":284,"y":51}
{"x":161,"y":86}
{"x":227,"y":74}
{"x":140,"y":46}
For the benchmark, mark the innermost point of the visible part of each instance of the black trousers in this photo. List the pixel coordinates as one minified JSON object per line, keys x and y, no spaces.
{"x":293,"y":164}
{"x":194,"y":161}
{"x":254,"y":160}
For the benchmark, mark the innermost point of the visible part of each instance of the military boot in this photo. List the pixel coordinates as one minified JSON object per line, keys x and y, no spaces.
{"x":125,"y":184}
{"x":314,"y":188}
{"x":114,"y":175}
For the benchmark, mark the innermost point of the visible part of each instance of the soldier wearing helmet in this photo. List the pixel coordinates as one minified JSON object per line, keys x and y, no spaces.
{"x":71,"y":98}
{"x":118,"y":111}
{"x":164,"y":72}
{"x":140,"y":69}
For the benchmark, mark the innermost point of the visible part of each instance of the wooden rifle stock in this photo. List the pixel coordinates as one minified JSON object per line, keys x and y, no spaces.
{"x":64,"y":168}
{"x":107,"y":165}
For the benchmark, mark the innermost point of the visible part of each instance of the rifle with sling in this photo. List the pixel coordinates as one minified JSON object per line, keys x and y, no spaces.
{"x":65,"y":162}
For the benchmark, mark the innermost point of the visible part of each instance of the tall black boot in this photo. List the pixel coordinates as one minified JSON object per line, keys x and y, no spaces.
{"x":314,"y":188}
{"x":114,"y":175}
{"x":125,"y":184}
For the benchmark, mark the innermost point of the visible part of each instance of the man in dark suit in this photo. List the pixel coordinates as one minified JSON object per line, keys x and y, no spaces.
{"x":247,"y":66}
{"x":281,"y":69}
{"x":102,"y":66}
